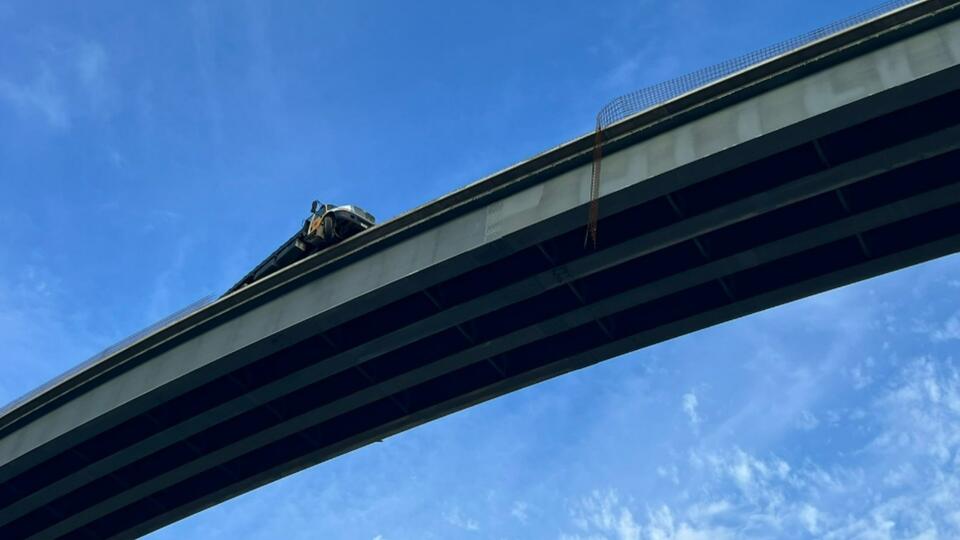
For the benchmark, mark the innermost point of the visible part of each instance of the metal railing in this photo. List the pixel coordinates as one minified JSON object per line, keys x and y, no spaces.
{"x":640,"y":100}
{"x":122,"y":344}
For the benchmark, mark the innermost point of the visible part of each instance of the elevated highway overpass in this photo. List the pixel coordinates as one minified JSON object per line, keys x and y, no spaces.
{"x":821,"y":167}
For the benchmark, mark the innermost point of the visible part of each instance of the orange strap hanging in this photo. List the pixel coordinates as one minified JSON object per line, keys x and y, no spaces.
{"x":594,"y":213}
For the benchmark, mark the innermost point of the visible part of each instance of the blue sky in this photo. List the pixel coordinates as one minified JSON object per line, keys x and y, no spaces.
{"x":150,"y":156}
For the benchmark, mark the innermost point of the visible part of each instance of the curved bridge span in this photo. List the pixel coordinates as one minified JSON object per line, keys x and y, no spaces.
{"x":821,"y":167}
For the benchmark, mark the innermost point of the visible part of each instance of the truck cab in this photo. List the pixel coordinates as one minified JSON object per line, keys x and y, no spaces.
{"x":326,"y":225}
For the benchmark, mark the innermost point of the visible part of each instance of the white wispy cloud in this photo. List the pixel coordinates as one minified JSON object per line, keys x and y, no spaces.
{"x":202,"y":26}
{"x":809,"y":516}
{"x":91,"y":62}
{"x":668,"y":472}
{"x":756,"y":479}
{"x":690,"y":408}
{"x":41,"y":96}
{"x":706,"y":510}
{"x":601,"y":515}
{"x":860,"y":373}
{"x":456,"y":517}
{"x":807,"y":421}
{"x":949,"y":330}
{"x":70,"y":79}
{"x":922,"y":414}
{"x":519,"y":511}
{"x":908,"y":468}
{"x":662,"y":525}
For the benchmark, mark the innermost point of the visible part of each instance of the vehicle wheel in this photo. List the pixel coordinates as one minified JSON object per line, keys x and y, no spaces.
{"x":328,"y":228}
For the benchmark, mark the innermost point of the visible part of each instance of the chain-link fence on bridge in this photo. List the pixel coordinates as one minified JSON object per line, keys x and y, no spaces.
{"x":640,"y":100}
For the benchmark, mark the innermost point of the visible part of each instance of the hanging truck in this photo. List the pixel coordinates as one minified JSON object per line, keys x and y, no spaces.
{"x":326,"y":225}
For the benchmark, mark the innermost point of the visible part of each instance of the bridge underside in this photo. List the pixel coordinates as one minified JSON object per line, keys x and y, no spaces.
{"x":868,"y":199}
{"x":854,"y":192}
